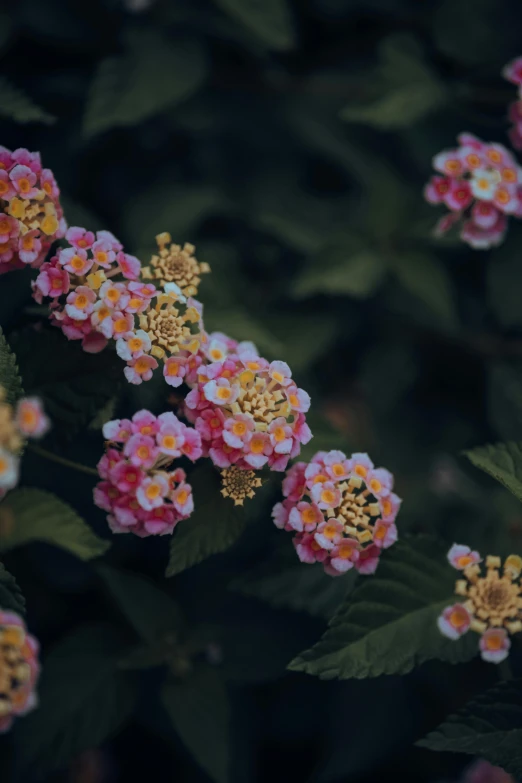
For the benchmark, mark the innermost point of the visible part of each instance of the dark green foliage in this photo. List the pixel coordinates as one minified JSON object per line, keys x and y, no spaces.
{"x":489,"y":726}
{"x":10,"y":594}
{"x":388,"y":624}
{"x":9,"y":376}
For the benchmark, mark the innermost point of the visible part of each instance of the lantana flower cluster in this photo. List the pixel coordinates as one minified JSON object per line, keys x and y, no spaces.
{"x":138,"y":490}
{"x":19,"y":669}
{"x":342,"y":511}
{"x":175,"y":264}
{"x":31,"y":216}
{"x":248,"y":411}
{"x":26,"y":420}
{"x":490,"y":603}
{"x":481,"y":184}
{"x":513,"y":73}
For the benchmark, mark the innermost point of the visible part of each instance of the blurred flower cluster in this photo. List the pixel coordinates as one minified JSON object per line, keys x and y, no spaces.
{"x":26,"y":420}
{"x":19,"y":669}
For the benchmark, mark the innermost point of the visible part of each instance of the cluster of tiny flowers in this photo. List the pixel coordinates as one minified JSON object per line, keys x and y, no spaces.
{"x":31,"y":217}
{"x":341,"y":510}
{"x":513,"y":73}
{"x":481,"y":184}
{"x":248,"y":411}
{"x":137,"y":490}
{"x":490,"y":604}
{"x":175,"y":264}
{"x":27,"y":420}
{"x":19,"y":669}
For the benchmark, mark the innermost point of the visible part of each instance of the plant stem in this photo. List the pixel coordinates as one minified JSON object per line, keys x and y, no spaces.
{"x":61,"y":460}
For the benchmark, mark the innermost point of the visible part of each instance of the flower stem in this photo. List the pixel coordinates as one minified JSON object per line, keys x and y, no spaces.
{"x":61,"y":460}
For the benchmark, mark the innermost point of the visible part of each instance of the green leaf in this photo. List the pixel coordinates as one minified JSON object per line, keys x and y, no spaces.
{"x":503,"y":461}
{"x":11,"y":597}
{"x":40,"y":516}
{"x":72,"y":384}
{"x":348,"y":267}
{"x":198,"y":709}
{"x":9,"y":378}
{"x":292,"y":586}
{"x":270,"y":20}
{"x":407,"y":88}
{"x":425,"y":278}
{"x":148,"y":608}
{"x":213,"y":527}
{"x":153,"y":74}
{"x":388,"y":624}
{"x":490,"y":726}
{"x":83,"y":700}
{"x":17,"y":106}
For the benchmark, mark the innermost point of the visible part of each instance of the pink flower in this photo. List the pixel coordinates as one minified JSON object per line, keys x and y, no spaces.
{"x":459,"y":195}
{"x":299,"y":399}
{"x":513,"y":71}
{"x":302,"y":431}
{"x":103,"y":253}
{"x":238,"y":430}
{"x":368,"y":560}
{"x":223,"y":455}
{"x":182,"y":500}
{"x":130,"y":266}
{"x":257,"y":450}
{"x":93,"y":342}
{"x":454,"y":621}
{"x":114,"y":295}
{"x":80,"y":303}
{"x":448,"y":162}
{"x":436,"y":190}
{"x":337,"y":466}
{"x":305,"y":516}
{"x":114,"y":243}
{"x":29,"y":159}
{"x":49,"y":184}
{"x":6,"y":159}
{"x":221,"y":392}
{"x":210,"y":423}
{"x":280,"y":433}
{"x":506,"y":199}
{"x":461,"y":556}
{"x":9,"y":227}
{"x":105,"y":495}
{"x":494,"y":645}
{"x":9,"y":469}
{"x":343,"y":557}
{"x":118,"y":430}
{"x":79,"y":238}
{"x":23,"y":648}
{"x":108,"y":462}
{"x":191,"y":447}
{"x":144,"y":423}
{"x":390,"y":507}
{"x":53,"y":282}
{"x":174,"y":370}
{"x":326,"y":495}
{"x":481,"y":239}
{"x":125,"y":476}
{"x":280,"y":515}
{"x":141,"y":451}
{"x":294,"y":482}
{"x":170,"y":438}
{"x":120,"y":325}
{"x":31,"y":419}
{"x":75,"y":261}
{"x":484,"y":214}
{"x":384,"y":534}
{"x":379,"y":482}
{"x":133,"y":345}
{"x":7,"y":189}
{"x":281,"y":373}
{"x":361,"y":465}
{"x":29,"y":247}
{"x":329,"y":533}
{"x":160,"y":521}
{"x":152,"y":491}
{"x":24,"y":180}
{"x":307,"y":548}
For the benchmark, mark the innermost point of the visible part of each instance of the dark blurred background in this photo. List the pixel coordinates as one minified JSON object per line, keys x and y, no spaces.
{"x":289,"y":140}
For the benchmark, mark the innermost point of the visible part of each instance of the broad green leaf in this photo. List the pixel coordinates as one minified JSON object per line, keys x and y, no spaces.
{"x":72,"y":384}
{"x":83,"y":700}
{"x":148,"y":608}
{"x":503,"y":461}
{"x":425,"y":278}
{"x":17,"y":106}
{"x":214,"y":525}
{"x":199,"y":711}
{"x":388,"y":625}
{"x":9,"y":377}
{"x":153,"y":74}
{"x":489,"y":726}
{"x":11,"y":597}
{"x":407,"y":89}
{"x":41,"y":516}
{"x":346,"y":268}
{"x":294,"y":586}
{"x":270,"y":20}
